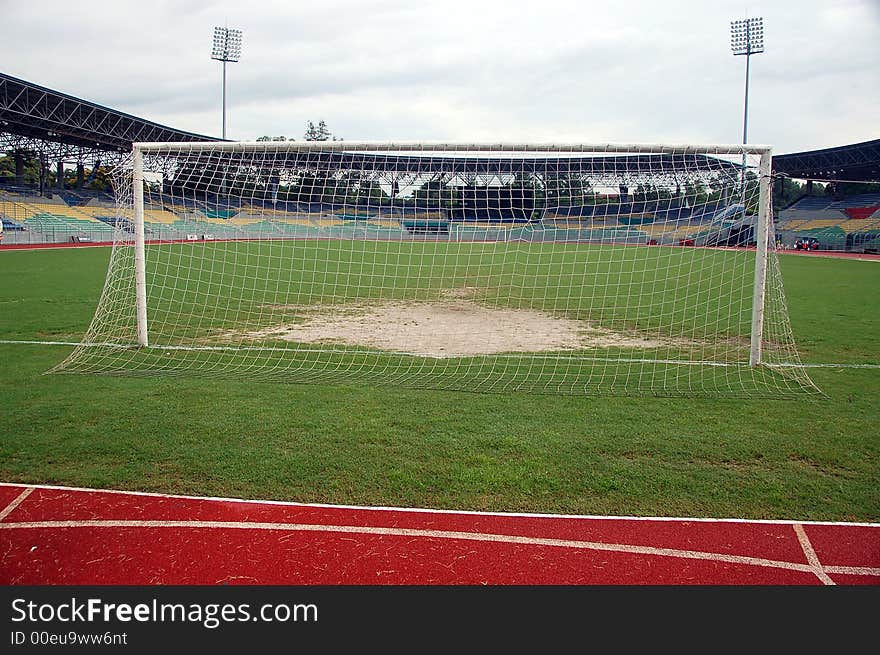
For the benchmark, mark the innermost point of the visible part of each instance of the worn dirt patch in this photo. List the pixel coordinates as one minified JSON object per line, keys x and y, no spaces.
{"x":452,"y":327}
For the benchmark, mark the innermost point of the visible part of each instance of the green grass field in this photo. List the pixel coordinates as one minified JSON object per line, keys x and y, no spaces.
{"x":383,"y":445}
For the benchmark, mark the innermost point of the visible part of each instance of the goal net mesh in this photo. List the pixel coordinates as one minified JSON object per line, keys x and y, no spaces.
{"x":557,"y":269}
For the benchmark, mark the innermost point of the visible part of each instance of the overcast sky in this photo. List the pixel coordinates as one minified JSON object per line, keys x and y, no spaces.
{"x":466,"y":70}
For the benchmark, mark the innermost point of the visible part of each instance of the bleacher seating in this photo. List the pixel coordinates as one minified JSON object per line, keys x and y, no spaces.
{"x":12,"y":226}
{"x":52,"y":219}
{"x":861,"y":200}
{"x":837,"y":223}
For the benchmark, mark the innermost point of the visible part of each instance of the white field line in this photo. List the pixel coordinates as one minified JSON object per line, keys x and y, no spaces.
{"x":621,"y":360}
{"x":15,"y":503}
{"x":454,"y":512}
{"x":822,"y":365}
{"x":29,"y":342}
{"x":427,"y":534}
{"x":29,"y":247}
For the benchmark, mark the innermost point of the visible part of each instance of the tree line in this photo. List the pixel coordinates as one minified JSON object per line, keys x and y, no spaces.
{"x":314,"y":132}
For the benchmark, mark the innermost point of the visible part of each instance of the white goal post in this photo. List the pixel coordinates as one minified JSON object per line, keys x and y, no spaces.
{"x":562,"y":268}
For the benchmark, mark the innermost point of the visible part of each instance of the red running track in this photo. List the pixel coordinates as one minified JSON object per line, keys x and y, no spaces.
{"x":56,"y":535}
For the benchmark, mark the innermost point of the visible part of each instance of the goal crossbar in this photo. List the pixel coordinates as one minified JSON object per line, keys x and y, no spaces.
{"x":450,"y":146}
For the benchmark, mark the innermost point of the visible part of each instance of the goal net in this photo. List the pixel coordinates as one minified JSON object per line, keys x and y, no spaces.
{"x":570,"y":269}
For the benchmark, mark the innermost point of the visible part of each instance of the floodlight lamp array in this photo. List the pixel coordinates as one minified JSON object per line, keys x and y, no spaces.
{"x":747,"y":36}
{"x":227,"y":44}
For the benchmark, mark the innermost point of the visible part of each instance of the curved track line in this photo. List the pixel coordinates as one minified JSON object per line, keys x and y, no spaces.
{"x":431,"y":534}
{"x":851,"y":570}
{"x":463,"y":512}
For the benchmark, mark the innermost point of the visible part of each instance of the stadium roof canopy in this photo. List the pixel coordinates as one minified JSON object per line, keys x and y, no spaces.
{"x":34,"y":118}
{"x":858,"y":162}
{"x":503,"y":164}
{"x":528,"y":163}
{"x":37,"y":119}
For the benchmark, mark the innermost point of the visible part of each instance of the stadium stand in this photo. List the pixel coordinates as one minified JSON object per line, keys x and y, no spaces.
{"x":94,"y":216}
{"x":57,"y":127}
{"x":838,"y":224}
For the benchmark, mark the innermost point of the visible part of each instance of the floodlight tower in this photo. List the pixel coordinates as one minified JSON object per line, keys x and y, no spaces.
{"x":227,"y":48}
{"x":746,"y":38}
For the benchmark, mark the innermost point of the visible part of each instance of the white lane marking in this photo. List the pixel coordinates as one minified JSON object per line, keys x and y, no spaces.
{"x":455,"y":512}
{"x":15,"y":503}
{"x":430,"y":534}
{"x":810,"y":553}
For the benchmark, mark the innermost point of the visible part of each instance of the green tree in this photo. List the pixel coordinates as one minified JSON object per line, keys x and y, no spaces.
{"x":319,"y":132}
{"x":31,"y":168}
{"x":564,"y":189}
{"x":849,"y":188}
{"x":102,"y":180}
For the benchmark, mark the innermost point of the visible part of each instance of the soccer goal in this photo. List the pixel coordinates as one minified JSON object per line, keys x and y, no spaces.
{"x":558,"y":268}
